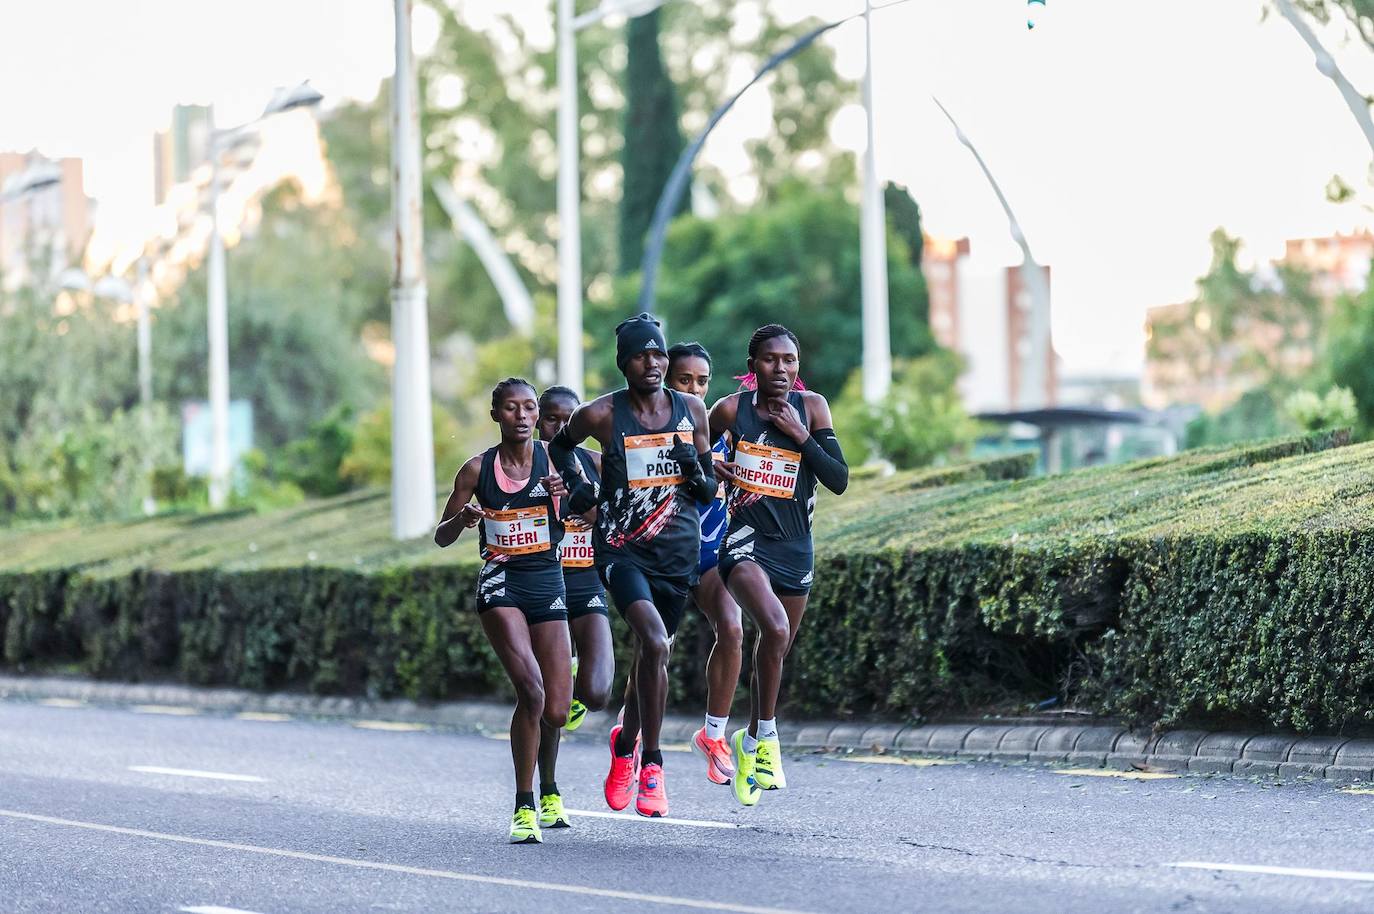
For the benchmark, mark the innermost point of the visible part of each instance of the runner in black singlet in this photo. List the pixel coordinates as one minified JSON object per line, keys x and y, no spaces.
{"x":655,"y":467}
{"x":781,"y":444}
{"x":689,"y":372}
{"x":594,"y":662}
{"x":520,"y":594}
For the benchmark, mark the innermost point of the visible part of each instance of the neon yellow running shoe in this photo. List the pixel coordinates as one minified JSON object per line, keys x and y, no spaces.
{"x":746,"y":790}
{"x":551,"y":812}
{"x":524,"y":827}
{"x":577,"y":712}
{"x":768,"y":772}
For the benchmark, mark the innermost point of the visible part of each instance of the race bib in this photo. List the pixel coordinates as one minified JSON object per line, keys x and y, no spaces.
{"x":518,"y":531}
{"x":575,"y":551}
{"x":647,"y":462}
{"x":766,"y":470}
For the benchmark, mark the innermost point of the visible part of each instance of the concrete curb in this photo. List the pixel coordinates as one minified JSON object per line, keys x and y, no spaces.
{"x":1337,"y":759}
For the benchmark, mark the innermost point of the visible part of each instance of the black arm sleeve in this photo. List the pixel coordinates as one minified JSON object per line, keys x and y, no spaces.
{"x":823,"y":456}
{"x":702,"y":486}
{"x":581,"y":494}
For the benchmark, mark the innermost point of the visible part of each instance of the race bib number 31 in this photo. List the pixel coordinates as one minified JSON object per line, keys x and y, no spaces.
{"x":766,"y":470}
{"x":647,"y":462}
{"x":576,"y":548}
{"x":518,"y":531}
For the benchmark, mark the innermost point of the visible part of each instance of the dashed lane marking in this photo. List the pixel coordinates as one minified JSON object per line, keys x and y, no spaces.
{"x":193,"y":773}
{"x":393,"y":726}
{"x":1110,"y":773}
{"x":1304,"y":872}
{"x":171,"y":710}
{"x":266,"y":716}
{"x":214,"y":909}
{"x":662,"y":820}
{"x":670,"y":900}
{"x":62,"y":703}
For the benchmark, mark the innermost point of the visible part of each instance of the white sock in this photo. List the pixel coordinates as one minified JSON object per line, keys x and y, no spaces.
{"x":715,"y":726}
{"x":750,"y":743}
{"x":768,"y":729}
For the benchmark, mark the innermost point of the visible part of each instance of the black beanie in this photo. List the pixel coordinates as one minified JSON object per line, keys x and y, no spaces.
{"x":635,"y":335}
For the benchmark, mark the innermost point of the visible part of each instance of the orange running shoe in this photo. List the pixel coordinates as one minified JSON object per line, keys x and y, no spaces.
{"x":720,"y":765}
{"x":621,"y":779}
{"x":653,"y":793}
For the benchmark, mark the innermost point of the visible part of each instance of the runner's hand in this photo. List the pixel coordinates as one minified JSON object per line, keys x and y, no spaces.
{"x":788,"y":420}
{"x":470,"y":515}
{"x":685,"y":455}
{"x":725,"y":469}
{"x":553,"y":483}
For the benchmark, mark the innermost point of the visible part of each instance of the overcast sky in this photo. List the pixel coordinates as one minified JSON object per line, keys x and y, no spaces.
{"x":1123,"y":133}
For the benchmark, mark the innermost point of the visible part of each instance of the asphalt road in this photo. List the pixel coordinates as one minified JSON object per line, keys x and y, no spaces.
{"x":101,"y":810}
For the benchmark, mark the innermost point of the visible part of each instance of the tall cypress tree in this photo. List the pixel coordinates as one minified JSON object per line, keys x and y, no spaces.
{"x":653,"y":139}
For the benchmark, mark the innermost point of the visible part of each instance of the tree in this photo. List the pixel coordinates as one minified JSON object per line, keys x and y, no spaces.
{"x":300,"y":289}
{"x":1349,"y":354}
{"x":653,"y":138}
{"x":921,"y":422}
{"x":904,"y":220}
{"x":793,"y":261}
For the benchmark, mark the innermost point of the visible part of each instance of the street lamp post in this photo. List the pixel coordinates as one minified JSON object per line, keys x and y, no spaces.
{"x":412,"y":425}
{"x":217,"y":310}
{"x":569,"y":188}
{"x":877,"y":344}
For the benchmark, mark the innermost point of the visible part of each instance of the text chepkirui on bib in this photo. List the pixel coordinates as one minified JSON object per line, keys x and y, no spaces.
{"x":647,"y":462}
{"x":518,"y":531}
{"x":576,"y":549}
{"x":766,"y":470}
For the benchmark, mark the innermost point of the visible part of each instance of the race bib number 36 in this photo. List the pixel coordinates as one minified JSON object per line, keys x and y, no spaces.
{"x":518,"y":531}
{"x":766,"y":470}
{"x":575,"y":550}
{"x":647,"y":462}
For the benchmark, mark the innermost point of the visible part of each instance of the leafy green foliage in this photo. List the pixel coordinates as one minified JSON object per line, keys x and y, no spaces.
{"x":921,"y":421}
{"x":654,"y":138}
{"x":368,"y":460}
{"x":1312,"y":411}
{"x":795,"y":260}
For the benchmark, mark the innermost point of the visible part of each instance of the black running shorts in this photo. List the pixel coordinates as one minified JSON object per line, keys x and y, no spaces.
{"x":586,"y":596}
{"x":536,"y":592}
{"x":789,"y":564}
{"x":628,"y":583}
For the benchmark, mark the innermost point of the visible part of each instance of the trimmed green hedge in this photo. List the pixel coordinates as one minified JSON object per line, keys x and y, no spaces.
{"x":1223,"y":585}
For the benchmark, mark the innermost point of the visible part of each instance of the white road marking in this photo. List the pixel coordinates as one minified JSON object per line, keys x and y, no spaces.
{"x":173,"y":710}
{"x":635,"y":817}
{"x":896,"y":760}
{"x":1360,"y":791}
{"x":698,"y":904}
{"x":62,"y":703}
{"x":1352,"y":875}
{"x":269,"y":716}
{"x":214,"y":909}
{"x":1110,"y":773}
{"x":192,"y":773}
{"x":394,"y":726}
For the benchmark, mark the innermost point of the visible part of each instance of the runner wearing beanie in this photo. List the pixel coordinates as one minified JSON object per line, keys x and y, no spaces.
{"x":655,"y":468}
{"x":782,"y":443}
{"x":689,"y":372}
{"x":520,"y":597}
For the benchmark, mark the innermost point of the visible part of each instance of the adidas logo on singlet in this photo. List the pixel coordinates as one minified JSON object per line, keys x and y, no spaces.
{"x":539,"y":491}
{"x":686,"y":425}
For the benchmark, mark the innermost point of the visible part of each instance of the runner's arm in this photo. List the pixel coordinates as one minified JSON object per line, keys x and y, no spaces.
{"x":583,"y":423}
{"x":459,"y":513}
{"x":821,"y":451}
{"x":721,"y":421}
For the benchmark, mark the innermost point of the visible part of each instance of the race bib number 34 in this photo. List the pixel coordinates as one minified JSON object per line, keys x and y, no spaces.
{"x":647,"y":462}
{"x":576,"y":548}
{"x":518,"y":531}
{"x":766,"y":470}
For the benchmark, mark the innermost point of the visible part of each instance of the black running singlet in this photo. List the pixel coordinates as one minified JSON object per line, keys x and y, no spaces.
{"x":775,"y":492}
{"x":644,"y":515}
{"x":523,"y":529}
{"x":577,"y":551}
